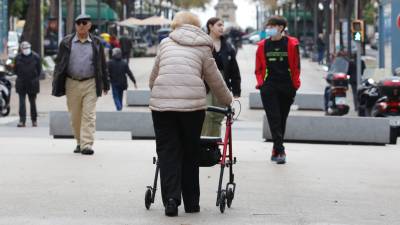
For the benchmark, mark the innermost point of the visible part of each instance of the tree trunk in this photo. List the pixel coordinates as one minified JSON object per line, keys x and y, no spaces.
{"x":53,"y":8}
{"x":70,"y":17}
{"x":32,"y":28}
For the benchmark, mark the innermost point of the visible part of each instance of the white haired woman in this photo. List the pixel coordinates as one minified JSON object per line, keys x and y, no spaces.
{"x":178,"y":103}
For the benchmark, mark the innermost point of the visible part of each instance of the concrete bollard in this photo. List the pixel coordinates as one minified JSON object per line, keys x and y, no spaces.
{"x":334,"y":129}
{"x":140,"y":124}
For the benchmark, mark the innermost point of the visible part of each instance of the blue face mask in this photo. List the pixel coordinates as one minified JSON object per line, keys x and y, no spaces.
{"x":270,"y":32}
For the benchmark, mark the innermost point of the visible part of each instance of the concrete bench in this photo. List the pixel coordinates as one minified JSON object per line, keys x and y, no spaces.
{"x":332,"y":129}
{"x":139,"y":124}
{"x":304,"y":101}
{"x":137,"y":97}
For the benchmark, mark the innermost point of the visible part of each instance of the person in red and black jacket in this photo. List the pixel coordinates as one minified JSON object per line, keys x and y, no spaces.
{"x":278,"y":78}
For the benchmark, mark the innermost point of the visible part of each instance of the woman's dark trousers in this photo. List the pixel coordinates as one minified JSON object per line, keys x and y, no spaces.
{"x":22,"y":107}
{"x":277,"y":100}
{"x":178,"y":140}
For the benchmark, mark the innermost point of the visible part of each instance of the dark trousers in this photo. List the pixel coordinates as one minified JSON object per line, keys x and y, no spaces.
{"x":355,"y":99}
{"x":277,"y":100}
{"x":118,"y":95}
{"x":327,"y":96}
{"x":320,"y":56}
{"x":22,"y":107}
{"x":178,"y":141}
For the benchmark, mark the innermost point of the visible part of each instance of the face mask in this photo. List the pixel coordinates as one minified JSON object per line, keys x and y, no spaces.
{"x":26,"y":51}
{"x":270,"y":32}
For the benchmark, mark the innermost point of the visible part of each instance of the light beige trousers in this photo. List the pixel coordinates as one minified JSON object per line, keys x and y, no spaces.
{"x":81,"y":102}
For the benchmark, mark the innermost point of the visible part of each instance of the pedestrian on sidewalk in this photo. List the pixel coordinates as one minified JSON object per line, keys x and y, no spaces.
{"x":28,"y":67}
{"x":81,"y":74}
{"x":225,"y":58}
{"x":352,"y":72}
{"x":178,"y":103}
{"x":118,"y":69}
{"x":320,"y":49}
{"x":278,"y":78}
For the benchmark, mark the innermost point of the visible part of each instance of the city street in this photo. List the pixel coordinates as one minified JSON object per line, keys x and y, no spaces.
{"x":43,"y":183}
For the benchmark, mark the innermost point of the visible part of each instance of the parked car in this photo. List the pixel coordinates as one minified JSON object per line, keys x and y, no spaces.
{"x":251,"y":38}
{"x":374,"y":42}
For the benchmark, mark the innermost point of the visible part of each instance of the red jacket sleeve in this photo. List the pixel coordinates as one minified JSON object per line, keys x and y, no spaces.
{"x":260,"y":65}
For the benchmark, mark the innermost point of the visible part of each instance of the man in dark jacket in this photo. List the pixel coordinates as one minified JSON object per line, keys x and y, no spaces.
{"x":118,"y":69}
{"x":28,"y":68}
{"x":81,"y":75}
{"x":352,"y":71}
{"x":278,"y":78}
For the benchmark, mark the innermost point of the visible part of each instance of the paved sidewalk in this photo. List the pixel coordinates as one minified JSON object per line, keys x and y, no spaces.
{"x":42,"y":182}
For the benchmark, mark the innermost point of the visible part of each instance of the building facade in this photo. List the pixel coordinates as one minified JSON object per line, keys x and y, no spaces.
{"x":226,"y":10}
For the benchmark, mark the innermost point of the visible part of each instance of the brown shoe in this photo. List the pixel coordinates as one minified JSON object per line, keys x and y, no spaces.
{"x":21,"y":124}
{"x":34,"y":124}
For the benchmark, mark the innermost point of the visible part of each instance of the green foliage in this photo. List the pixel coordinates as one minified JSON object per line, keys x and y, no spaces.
{"x":18,"y":8}
{"x":369,"y":13}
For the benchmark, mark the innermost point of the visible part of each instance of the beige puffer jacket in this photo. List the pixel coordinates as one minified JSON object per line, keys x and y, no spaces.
{"x":182,"y":64}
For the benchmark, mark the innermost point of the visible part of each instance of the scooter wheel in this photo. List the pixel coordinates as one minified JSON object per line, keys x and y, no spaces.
{"x":222,"y":202}
{"x":6,"y":111}
{"x":229,"y":197}
{"x":147,"y":198}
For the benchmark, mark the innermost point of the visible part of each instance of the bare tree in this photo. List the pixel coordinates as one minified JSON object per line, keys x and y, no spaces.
{"x":53,"y":8}
{"x":70,"y":16}
{"x":31,"y":32}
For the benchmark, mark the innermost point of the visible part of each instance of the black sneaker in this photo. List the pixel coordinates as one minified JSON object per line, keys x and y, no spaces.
{"x":77,"y":149}
{"x":192,"y":209}
{"x":171,"y":209}
{"x":281,"y":159}
{"x":21,"y":124}
{"x":87,"y":151}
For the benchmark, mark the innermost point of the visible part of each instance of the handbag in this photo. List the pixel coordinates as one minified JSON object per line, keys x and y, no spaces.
{"x":209,"y":155}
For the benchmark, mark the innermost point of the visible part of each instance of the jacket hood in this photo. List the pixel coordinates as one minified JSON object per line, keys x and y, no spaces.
{"x":191,"y":36}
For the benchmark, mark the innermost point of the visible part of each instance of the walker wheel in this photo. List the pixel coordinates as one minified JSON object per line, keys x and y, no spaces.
{"x":222,"y":202}
{"x":229,"y":197}
{"x":147,"y":198}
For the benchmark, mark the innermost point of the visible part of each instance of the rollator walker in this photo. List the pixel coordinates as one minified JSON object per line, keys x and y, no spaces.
{"x":210,"y":155}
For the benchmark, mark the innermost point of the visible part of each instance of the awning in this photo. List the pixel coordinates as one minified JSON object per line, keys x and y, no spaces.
{"x":131,"y":22}
{"x":106,"y":13}
{"x":156,"y":21}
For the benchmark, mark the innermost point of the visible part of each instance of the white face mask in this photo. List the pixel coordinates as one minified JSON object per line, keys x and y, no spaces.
{"x":26,"y":51}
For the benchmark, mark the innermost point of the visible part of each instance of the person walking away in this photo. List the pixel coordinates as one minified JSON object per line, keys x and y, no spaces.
{"x":28,"y":68}
{"x":320,"y":48}
{"x":81,"y":74}
{"x":126,"y":47}
{"x":225,"y":58}
{"x":278,"y":78}
{"x":178,"y":103}
{"x":118,"y":69}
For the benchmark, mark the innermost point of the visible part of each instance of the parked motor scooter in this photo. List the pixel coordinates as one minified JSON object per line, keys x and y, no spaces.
{"x":382,"y":99}
{"x":5,"y":90}
{"x":336,"y":91}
